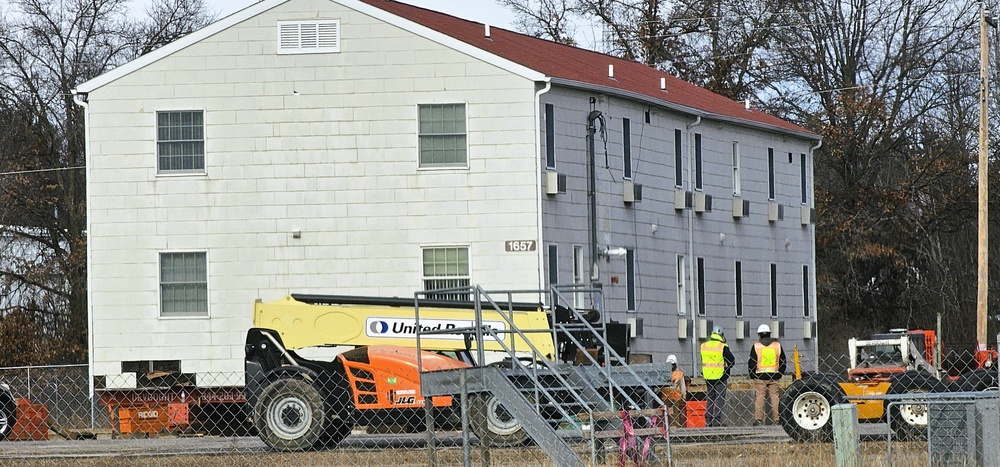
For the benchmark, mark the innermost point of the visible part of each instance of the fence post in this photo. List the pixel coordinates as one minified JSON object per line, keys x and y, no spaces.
{"x":845,"y":435}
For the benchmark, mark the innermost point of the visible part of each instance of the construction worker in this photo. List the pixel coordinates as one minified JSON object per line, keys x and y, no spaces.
{"x":716,"y":360}
{"x":675,"y":395}
{"x":766,"y":365}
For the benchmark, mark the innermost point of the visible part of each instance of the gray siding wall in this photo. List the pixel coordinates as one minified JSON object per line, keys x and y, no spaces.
{"x":718,"y":237}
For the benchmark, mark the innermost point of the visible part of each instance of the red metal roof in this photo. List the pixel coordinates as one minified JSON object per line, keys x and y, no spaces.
{"x":584,"y":66}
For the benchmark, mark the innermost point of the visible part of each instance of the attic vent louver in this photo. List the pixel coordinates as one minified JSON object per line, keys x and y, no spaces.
{"x":309,"y":37}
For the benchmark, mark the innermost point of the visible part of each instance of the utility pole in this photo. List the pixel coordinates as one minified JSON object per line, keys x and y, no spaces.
{"x":984,"y":199}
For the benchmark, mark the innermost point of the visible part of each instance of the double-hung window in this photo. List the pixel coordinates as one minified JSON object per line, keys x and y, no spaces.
{"x":442,"y":135}
{"x":446,"y":268}
{"x":184,"y":284}
{"x":180,"y":141}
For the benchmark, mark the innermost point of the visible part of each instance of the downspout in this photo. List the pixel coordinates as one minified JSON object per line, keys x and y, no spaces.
{"x":592,"y":190}
{"x":538,"y":182}
{"x":815,"y":298}
{"x":80,"y":99}
{"x":690,"y":252}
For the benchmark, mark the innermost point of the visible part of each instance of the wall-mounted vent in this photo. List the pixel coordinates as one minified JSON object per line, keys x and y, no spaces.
{"x":742,"y":330}
{"x":634,"y":326}
{"x":806,"y":215}
{"x":682,"y":199}
{"x":741,"y":208}
{"x":777,"y":329}
{"x":309,"y":37}
{"x":682,"y":328}
{"x":808,"y":329}
{"x":631,"y":192}
{"x":555,"y":183}
{"x":702,"y":202}
{"x":775,"y":212}
{"x":704,"y":328}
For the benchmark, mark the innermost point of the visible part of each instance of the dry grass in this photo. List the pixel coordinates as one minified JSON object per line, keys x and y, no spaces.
{"x":723,"y":455}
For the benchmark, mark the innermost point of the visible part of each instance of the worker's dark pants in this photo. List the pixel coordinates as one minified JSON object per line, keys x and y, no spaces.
{"x":716,"y":402}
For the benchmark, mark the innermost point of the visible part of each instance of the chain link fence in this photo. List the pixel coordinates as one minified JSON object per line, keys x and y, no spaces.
{"x":483,"y":417}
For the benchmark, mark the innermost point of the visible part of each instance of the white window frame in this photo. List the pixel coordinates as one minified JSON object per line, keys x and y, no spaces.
{"x":321,"y":29}
{"x":465,"y":134}
{"x":160,"y":287}
{"x":579,"y":268}
{"x":424,"y":278}
{"x":627,"y":173}
{"x":204,"y":143}
{"x":681,"y":286}
{"x":738,"y":303}
{"x":736,"y":169}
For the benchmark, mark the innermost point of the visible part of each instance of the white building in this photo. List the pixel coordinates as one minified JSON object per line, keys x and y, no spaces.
{"x":368,"y":147}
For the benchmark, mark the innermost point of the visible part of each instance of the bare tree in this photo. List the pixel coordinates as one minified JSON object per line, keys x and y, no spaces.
{"x":47,"y":47}
{"x":547,"y":19}
{"x":888,"y":84}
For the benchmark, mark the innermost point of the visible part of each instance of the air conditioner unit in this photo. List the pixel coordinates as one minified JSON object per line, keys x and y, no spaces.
{"x":775,"y":211}
{"x":702,"y":202}
{"x":777,"y":329}
{"x":682,"y":199}
{"x":809,"y":330}
{"x":704,"y":328}
{"x":741,"y":208}
{"x":555,"y":183}
{"x":631,"y":192}
{"x":806,"y":215}
{"x":682,"y":328}
{"x":742,"y":330}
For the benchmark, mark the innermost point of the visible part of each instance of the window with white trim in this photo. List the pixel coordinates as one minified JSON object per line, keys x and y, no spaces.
{"x":180,"y":141}
{"x":630,"y":279}
{"x":681,"y":287}
{"x":578,"y":267}
{"x":736,"y":168}
{"x":698,"y":175}
{"x":805,"y":290}
{"x":442,"y":135}
{"x":627,"y":148}
{"x":700,"y":265}
{"x":184,"y":284}
{"x":550,"y":136}
{"x":739,"y":289}
{"x":774,"y":290}
{"x":770,"y":174}
{"x":309,"y":37}
{"x":678,"y":159}
{"x":802,"y":179}
{"x":445,"y":268}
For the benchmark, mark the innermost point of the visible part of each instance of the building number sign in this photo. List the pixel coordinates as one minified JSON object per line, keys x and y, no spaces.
{"x":519,"y":245}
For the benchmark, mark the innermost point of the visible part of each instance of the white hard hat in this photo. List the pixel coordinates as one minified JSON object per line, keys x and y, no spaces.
{"x":672,"y":359}
{"x":718,"y":330}
{"x":764,"y":329}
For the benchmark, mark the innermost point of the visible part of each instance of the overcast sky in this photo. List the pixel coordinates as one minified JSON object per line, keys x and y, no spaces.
{"x":483,"y":11}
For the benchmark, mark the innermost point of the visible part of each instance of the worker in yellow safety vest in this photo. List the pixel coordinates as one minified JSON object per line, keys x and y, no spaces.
{"x":716,"y":360}
{"x":766,"y":365}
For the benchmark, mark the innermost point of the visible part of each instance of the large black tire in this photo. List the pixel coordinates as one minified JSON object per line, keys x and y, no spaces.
{"x":493,"y":424}
{"x":8,"y":412}
{"x":805,"y":409}
{"x":909,"y":420}
{"x":290,"y":415}
{"x":978,"y":380}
